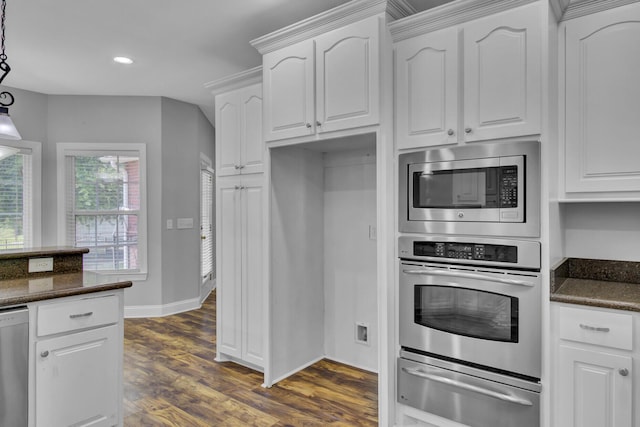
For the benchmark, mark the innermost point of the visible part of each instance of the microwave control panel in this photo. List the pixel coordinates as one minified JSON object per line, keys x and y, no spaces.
{"x":509,"y":187}
{"x":469,"y":251}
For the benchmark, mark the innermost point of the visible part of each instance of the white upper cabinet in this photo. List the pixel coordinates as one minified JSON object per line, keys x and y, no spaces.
{"x":602,"y":104}
{"x":496,"y":59}
{"x":348,"y":77}
{"x":289,"y":91}
{"x":502,"y":75}
{"x":427,"y":89}
{"x":239,"y":131}
{"x":323,"y":84}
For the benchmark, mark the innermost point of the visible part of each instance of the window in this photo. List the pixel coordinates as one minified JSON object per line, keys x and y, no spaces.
{"x":206,"y":223}
{"x":104,"y":205}
{"x":19,"y":198}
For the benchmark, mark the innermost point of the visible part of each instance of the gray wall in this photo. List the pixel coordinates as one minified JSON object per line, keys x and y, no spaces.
{"x":174,"y":133}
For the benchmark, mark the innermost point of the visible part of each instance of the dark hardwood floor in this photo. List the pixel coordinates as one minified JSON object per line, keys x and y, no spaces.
{"x":171,"y":379}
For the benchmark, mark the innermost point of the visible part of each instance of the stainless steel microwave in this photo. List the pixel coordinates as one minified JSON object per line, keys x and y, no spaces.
{"x":488,"y":189}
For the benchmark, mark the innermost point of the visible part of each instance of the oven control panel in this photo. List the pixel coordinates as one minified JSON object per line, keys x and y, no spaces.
{"x":466,"y":251}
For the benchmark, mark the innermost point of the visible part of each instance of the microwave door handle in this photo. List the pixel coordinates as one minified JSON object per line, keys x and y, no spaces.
{"x":469,"y":387}
{"x":446,"y":273}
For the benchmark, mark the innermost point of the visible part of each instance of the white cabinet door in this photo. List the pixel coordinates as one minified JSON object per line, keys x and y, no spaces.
{"x":252,"y":271}
{"x":288,"y":79}
{"x":76,"y":379}
{"x":603,"y":101}
{"x":348,"y":76}
{"x":239,"y":144}
{"x":427,"y":90}
{"x":240,"y":268}
{"x":252,"y":146}
{"x":229,"y":267}
{"x":594,"y":388}
{"x":227,"y":133}
{"x":502,"y":74}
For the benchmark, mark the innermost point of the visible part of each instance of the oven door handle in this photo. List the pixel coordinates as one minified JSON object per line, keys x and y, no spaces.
{"x":446,"y":273}
{"x":469,"y":387}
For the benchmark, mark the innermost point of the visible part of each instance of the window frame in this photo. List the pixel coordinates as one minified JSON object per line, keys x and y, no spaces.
{"x":65,"y":149}
{"x":36,"y":186}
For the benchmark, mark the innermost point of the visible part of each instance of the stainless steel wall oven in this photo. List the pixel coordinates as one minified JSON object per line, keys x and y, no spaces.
{"x":470,"y":328}
{"x":487,"y":189}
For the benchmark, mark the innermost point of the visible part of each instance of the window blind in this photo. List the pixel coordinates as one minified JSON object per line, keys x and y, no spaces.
{"x":16,"y":200}
{"x":206,"y":222}
{"x":103,"y":208}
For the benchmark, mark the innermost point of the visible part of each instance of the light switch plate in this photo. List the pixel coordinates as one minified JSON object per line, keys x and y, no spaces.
{"x":37,"y":265}
{"x":185,"y":223}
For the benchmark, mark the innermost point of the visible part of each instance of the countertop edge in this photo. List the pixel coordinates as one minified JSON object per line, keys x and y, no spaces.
{"x":41,"y":296}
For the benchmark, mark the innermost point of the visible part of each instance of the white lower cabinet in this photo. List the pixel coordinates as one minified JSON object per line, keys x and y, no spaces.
{"x":77,"y":350}
{"x":240,"y":280}
{"x":597,"y":386}
{"x":594,"y":376}
{"x":75,"y":379}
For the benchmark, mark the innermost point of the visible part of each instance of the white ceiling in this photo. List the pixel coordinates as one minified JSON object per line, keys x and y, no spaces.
{"x":65,"y":47}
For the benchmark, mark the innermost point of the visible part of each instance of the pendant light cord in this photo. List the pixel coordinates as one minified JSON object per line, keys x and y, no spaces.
{"x":4,"y":67}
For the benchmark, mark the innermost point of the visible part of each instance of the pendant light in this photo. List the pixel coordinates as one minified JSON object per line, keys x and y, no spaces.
{"x":7,"y":128}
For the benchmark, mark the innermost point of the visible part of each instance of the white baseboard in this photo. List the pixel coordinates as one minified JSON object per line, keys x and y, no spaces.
{"x":133,"y":311}
{"x":344,"y":362}
{"x":206,"y":290}
{"x":293,"y":371}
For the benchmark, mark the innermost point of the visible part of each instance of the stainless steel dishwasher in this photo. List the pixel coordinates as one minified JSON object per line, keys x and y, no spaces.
{"x":14,"y":366}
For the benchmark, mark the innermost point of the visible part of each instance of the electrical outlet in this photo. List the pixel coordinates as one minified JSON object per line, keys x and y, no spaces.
{"x":373,"y":232}
{"x":362,"y":333}
{"x":37,"y":265}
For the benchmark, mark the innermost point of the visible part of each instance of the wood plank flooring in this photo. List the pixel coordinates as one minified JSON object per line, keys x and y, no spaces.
{"x":171,"y":379}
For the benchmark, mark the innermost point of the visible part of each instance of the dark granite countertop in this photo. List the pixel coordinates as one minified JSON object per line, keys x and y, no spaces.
{"x":41,"y":252}
{"x":598,"y":283}
{"x":26,"y":290}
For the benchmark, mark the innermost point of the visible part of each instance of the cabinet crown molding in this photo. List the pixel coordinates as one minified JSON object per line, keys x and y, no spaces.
{"x":353,"y":11}
{"x":235,"y":81}
{"x":576,"y":8}
{"x":449,"y":14}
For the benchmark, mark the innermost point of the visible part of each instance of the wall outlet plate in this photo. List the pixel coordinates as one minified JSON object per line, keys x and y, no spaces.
{"x":37,"y":265}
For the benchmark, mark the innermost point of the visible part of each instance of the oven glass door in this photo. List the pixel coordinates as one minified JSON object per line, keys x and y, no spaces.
{"x":468,"y":312}
{"x":480,"y":315}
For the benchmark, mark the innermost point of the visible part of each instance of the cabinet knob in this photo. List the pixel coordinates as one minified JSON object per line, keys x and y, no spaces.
{"x":44,"y":354}
{"x":308,"y":125}
{"x":467,"y":130}
{"x":240,"y":166}
{"x":624,"y":372}
{"x":236,"y":167}
{"x":318,"y":123}
{"x":450,"y":132}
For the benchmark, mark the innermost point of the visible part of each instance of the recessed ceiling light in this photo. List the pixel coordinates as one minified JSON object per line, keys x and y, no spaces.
{"x":123,"y":60}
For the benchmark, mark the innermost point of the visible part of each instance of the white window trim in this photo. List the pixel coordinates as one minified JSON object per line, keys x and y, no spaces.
{"x":64,"y":149}
{"x":36,"y":185}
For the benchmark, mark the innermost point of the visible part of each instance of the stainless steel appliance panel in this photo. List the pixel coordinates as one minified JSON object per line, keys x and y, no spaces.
{"x":489,"y":317}
{"x":467,"y":396}
{"x":14,"y":371}
{"x":523,"y":220}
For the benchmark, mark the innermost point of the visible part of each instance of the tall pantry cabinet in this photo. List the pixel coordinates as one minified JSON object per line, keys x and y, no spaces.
{"x":240,"y":200}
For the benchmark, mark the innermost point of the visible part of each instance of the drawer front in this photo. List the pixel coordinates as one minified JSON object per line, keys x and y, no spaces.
{"x":77,"y":314}
{"x":597,"y":327}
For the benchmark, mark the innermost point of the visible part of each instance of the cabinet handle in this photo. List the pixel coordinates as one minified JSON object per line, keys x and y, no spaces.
{"x":624,"y":372}
{"x":240,"y":166}
{"x":318,"y":123}
{"x":308,"y":125}
{"x":467,"y":130}
{"x":236,"y":167}
{"x":44,"y":354}
{"x":594,"y":328}
{"x":77,"y":316}
{"x":450,"y":132}
{"x":237,"y":187}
